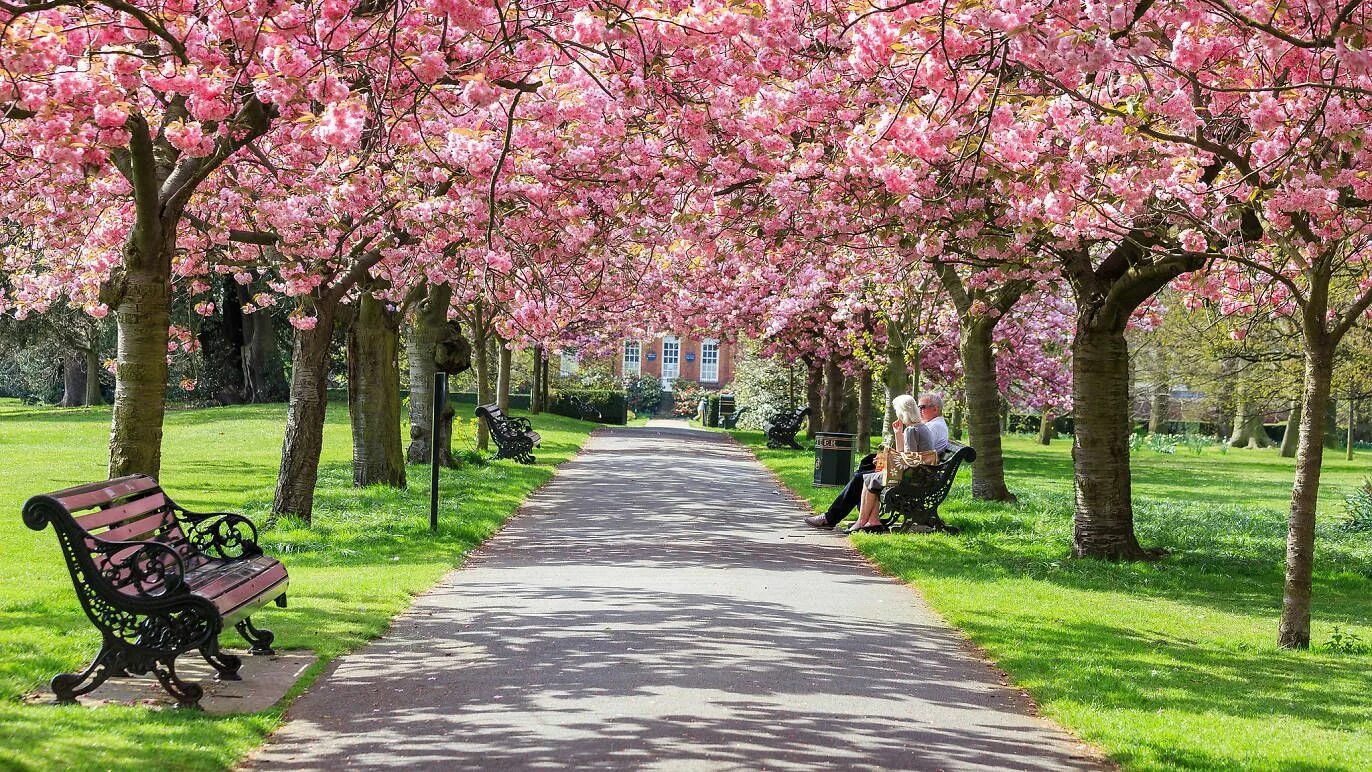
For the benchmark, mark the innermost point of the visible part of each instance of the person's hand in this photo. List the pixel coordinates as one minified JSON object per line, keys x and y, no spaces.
{"x":897,"y":425}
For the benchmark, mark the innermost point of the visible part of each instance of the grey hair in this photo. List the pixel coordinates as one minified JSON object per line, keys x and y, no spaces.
{"x":934,"y":399}
{"x":906,"y":409}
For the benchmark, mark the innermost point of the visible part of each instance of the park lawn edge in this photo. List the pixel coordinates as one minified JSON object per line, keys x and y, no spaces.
{"x":1025,"y":699}
{"x":328,"y":615}
{"x":1259,"y":708}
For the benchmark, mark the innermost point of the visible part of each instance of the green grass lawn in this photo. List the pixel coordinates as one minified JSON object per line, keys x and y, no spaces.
{"x":1165,"y":666}
{"x":369,"y":552}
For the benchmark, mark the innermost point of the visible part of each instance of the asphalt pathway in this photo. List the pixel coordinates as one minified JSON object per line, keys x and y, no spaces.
{"x":659,"y":605}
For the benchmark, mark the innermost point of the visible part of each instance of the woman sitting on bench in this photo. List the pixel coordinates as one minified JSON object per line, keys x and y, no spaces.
{"x":909,"y":434}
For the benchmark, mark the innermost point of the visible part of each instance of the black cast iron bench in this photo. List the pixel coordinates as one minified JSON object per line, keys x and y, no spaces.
{"x":781,"y":431}
{"x":514,"y":437}
{"x":730,"y":420}
{"x":584,"y":410}
{"x":157,"y":580}
{"x":912,"y":504}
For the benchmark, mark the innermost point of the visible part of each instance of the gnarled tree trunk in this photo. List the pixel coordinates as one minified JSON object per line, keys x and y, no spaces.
{"x":374,"y":394}
{"x":1161,"y":403}
{"x":305,"y":416}
{"x":73,"y":380}
{"x":142,"y":315}
{"x":1291,"y":436}
{"x":92,"y":356}
{"x":485,"y":391}
{"x":1104,"y":520}
{"x":1248,"y":428}
{"x":428,"y":324}
{"x":536,"y":388}
{"x":897,"y":375}
{"x":1046,"y":433}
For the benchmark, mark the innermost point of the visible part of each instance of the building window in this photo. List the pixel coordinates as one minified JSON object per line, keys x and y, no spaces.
{"x":709,"y":361}
{"x":569,"y":363}
{"x":633,"y":359}
{"x":671,"y":360}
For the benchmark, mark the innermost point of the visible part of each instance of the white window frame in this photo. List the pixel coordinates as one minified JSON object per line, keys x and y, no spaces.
{"x":569,"y":364}
{"x":633,"y":365}
{"x":669,"y":376}
{"x":709,"y":367}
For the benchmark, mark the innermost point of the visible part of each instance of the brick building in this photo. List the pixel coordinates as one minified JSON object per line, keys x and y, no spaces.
{"x":671,"y":358}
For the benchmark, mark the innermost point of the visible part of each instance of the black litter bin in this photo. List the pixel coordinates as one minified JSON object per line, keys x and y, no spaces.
{"x":833,"y":458}
{"x":726,"y":404}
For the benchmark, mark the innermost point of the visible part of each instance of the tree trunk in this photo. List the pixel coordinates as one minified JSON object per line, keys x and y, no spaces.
{"x":983,"y":408}
{"x":955,"y":425}
{"x":428,"y":324}
{"x":544,"y":385}
{"x":832,"y":400}
{"x":1046,"y":432}
{"x":1104,"y":519}
{"x":536,"y":388}
{"x":485,"y":393}
{"x":1248,"y":429}
{"x":1161,"y":403}
{"x":897,"y":376}
{"x":374,"y":394}
{"x":93,"y":368}
{"x":814,"y":397}
{"x":502,"y":382}
{"x":73,"y":380}
{"x":264,"y":379}
{"x":1292,"y":434}
{"x":1352,"y":423}
{"x":1294,"y":629}
{"x":864,"y":413}
{"x":141,"y":374}
{"x":305,"y":417}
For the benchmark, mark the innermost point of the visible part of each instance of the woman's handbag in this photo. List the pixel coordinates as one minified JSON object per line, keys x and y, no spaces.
{"x":896,"y":466}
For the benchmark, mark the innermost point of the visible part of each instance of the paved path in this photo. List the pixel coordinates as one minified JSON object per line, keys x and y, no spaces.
{"x":699,"y":626}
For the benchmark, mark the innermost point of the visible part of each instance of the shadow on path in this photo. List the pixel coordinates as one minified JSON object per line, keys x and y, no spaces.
{"x":658,"y":605}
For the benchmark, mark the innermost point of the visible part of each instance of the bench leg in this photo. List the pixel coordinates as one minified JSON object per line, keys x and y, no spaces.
{"x":261,"y":640}
{"x":225,"y":665}
{"x":187,"y":695}
{"x":69,"y":686}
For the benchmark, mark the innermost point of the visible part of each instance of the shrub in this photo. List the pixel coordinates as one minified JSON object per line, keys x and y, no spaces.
{"x":644,"y":394}
{"x":763,"y":385}
{"x":612,"y":405}
{"x":1357,"y":508}
{"x":686,"y":397}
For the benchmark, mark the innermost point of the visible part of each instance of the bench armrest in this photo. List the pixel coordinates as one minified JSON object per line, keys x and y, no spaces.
{"x":151,"y":565}
{"x":222,"y":535}
{"x":521,"y":423}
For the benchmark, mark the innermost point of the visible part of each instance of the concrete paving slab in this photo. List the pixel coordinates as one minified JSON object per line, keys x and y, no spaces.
{"x":660,"y":605}
{"x":265,"y":680}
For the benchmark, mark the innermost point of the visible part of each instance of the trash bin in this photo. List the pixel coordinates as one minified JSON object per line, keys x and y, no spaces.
{"x":833,"y":458}
{"x":726,"y":404}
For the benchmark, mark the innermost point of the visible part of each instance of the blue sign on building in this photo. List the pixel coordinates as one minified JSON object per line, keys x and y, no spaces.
{"x":652,"y":355}
{"x":690,"y":357}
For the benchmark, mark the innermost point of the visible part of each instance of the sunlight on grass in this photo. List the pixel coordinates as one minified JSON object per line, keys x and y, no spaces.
{"x":1170,"y":665}
{"x":368,"y":553}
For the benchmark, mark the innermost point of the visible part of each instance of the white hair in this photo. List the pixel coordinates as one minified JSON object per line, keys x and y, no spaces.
{"x":934,"y":399}
{"x":906,"y":408}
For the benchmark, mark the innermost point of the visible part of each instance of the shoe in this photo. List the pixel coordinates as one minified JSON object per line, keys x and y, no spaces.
{"x":878,"y":528}
{"x":819,"y":521}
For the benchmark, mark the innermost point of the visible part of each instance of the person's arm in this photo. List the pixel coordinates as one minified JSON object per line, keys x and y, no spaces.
{"x":898,"y":436}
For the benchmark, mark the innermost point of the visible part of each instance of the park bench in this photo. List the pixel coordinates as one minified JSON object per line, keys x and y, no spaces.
{"x":730,"y":420}
{"x":912,"y":504}
{"x":157,"y":580}
{"x":781,"y":430}
{"x":514,"y":437}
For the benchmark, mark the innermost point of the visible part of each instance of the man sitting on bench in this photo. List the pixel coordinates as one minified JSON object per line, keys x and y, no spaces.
{"x":931,"y":410}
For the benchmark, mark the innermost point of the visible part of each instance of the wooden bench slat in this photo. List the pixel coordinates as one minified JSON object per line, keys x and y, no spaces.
{"x":126,"y":511}
{"x":136,"y":530}
{"x":86,"y":496}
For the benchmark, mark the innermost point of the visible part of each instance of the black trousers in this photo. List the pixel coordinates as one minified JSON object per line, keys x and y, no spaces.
{"x":851,"y":495}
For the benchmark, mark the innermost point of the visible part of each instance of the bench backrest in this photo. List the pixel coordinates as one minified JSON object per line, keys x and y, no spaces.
{"x":934,"y":487}
{"x":93,"y":520}
{"x":496,"y":420}
{"x":790,"y":419}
